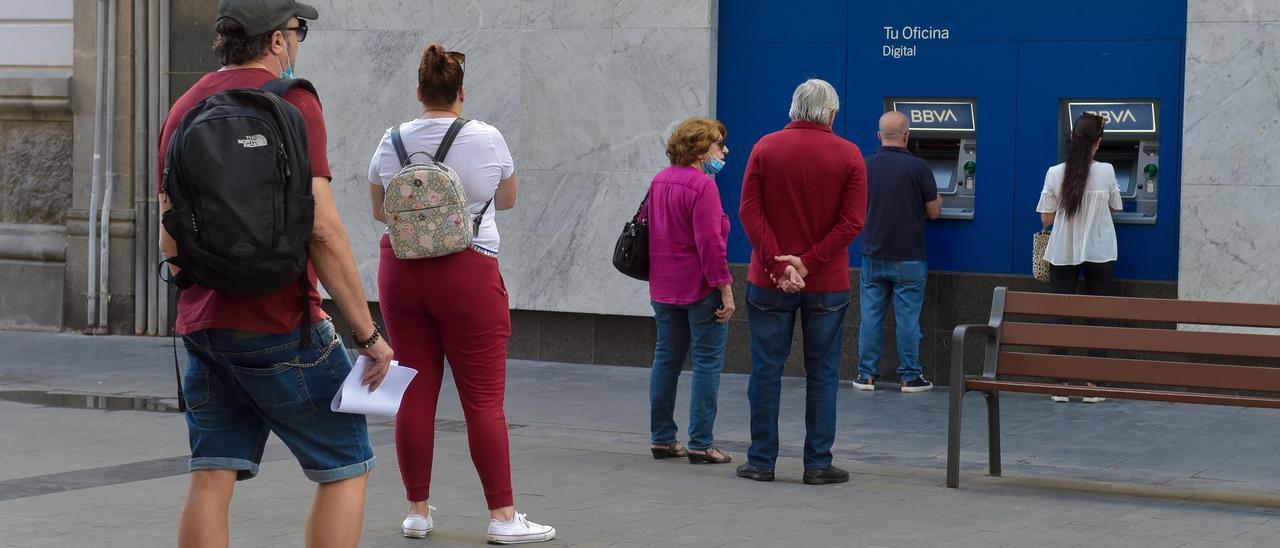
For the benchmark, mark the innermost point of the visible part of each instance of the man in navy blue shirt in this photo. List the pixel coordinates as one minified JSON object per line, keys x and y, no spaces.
{"x":901,"y":195}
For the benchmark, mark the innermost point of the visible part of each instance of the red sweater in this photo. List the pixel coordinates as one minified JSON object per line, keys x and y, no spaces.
{"x":804,"y":194}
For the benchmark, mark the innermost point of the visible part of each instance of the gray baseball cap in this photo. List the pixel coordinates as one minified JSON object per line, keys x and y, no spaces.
{"x":262,"y":16}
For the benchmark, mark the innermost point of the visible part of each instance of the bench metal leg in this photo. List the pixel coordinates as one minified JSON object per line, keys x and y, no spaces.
{"x":953,"y":434}
{"x":993,"y":431}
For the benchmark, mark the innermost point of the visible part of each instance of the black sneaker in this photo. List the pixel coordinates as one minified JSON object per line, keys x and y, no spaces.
{"x":864,"y":382}
{"x":823,"y":476}
{"x":919,"y":384}
{"x":750,"y":471}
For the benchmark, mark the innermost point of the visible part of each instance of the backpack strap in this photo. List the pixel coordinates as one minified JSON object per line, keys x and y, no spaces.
{"x":449,"y":136}
{"x":398,"y":143}
{"x":281,"y":86}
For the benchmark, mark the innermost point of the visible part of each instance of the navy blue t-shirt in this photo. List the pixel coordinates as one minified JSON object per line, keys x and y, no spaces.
{"x":898,"y":186}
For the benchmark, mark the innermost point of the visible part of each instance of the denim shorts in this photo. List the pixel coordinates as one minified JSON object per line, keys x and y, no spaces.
{"x":241,"y":386}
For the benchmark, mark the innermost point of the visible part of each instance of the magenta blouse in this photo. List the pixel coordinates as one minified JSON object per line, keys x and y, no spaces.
{"x":688,"y":232}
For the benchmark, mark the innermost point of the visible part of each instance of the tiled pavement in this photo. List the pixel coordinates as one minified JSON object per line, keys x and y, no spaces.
{"x":1113,"y":474}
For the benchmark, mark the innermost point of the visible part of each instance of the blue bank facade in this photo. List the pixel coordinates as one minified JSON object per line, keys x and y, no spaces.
{"x":994,"y":85}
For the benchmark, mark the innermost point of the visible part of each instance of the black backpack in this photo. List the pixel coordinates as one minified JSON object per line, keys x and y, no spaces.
{"x":239,"y":178}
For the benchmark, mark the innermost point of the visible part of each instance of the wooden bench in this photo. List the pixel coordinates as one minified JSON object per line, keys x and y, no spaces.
{"x":1006,"y":369}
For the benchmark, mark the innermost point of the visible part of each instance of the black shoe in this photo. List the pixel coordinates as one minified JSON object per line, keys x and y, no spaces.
{"x":919,"y":384}
{"x":750,"y":471}
{"x":823,"y":476}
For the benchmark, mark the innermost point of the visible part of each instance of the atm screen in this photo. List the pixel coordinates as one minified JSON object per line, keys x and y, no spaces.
{"x":1124,"y":175}
{"x":944,"y":170}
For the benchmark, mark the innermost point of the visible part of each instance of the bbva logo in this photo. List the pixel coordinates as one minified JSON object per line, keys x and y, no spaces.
{"x":1115,"y":116}
{"x":931,"y":116}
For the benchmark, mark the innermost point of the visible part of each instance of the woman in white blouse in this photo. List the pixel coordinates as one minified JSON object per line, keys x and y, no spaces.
{"x":1077,"y":200}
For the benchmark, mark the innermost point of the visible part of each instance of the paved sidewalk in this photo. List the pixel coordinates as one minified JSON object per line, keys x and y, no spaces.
{"x":1112,"y":474}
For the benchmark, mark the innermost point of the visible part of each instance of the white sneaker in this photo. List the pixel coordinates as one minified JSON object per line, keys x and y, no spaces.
{"x":1060,"y":399}
{"x":418,"y":525}
{"x":518,"y":531}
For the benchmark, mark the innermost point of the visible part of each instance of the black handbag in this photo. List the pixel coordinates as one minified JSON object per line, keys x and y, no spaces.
{"x":631,"y":253}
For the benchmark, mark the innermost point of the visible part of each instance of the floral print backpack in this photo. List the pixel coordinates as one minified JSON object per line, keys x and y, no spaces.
{"x":425,"y":204}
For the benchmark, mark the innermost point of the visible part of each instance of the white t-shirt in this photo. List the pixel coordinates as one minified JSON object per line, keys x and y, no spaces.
{"x":1089,"y":235}
{"x":479,"y":155}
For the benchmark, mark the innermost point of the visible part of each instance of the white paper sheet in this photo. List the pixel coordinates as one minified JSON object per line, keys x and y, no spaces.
{"x":356,"y":398}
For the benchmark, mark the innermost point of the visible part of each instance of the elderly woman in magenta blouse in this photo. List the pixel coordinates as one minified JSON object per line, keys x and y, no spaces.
{"x":690,"y":287}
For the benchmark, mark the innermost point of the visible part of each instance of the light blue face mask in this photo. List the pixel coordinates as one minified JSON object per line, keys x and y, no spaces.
{"x":712,"y":166}
{"x":287,"y":73}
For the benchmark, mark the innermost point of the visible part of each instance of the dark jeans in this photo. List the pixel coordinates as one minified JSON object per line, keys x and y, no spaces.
{"x":772,"y":315}
{"x":680,"y":328}
{"x":1099,"y":279}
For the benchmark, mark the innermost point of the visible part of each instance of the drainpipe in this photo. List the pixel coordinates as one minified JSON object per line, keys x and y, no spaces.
{"x":140,"y":217}
{"x":163,"y":109}
{"x":104,"y":237}
{"x":91,"y":284}
{"x":152,"y":232}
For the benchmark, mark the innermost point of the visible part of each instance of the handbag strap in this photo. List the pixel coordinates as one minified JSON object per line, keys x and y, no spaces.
{"x":642,"y":213}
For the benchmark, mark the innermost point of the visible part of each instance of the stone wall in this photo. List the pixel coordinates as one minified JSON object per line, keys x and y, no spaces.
{"x":35,"y":176}
{"x":1230,"y":159}
{"x":583,"y":91}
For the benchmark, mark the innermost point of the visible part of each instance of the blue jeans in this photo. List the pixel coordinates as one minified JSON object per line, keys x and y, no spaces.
{"x":772,"y":314}
{"x":681,"y":327}
{"x":241,"y":386}
{"x":906,"y":280}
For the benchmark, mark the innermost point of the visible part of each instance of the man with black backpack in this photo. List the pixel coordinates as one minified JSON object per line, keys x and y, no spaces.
{"x":249,"y":223}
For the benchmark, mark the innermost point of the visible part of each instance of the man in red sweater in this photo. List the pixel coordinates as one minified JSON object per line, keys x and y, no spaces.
{"x":804,"y":198}
{"x":247,"y":373}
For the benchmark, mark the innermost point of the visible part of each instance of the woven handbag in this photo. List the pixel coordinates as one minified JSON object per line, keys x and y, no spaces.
{"x":1039,"y":266}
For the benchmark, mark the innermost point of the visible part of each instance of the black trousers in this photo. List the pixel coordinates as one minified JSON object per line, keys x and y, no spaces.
{"x":1099,"y":279}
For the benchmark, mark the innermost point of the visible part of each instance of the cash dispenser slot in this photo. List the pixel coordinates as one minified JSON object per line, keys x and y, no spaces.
{"x":1131,"y":144}
{"x":944,"y":134}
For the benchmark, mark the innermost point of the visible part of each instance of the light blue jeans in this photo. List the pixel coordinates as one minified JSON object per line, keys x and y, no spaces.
{"x":680,"y":329}
{"x":905,"y":280}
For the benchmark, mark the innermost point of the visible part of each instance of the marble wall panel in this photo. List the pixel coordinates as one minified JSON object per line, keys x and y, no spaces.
{"x":664,"y":14}
{"x":557,"y":243}
{"x":662,"y":76}
{"x":584,"y":91}
{"x":1232,"y":119}
{"x":1229,"y":251}
{"x":565,"y":102}
{"x":567,"y":14}
{"x":1202,"y":11}
{"x":1231,"y":173}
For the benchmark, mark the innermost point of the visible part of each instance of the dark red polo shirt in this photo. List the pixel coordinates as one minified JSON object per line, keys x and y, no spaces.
{"x":279,"y":312}
{"x":804,"y":194}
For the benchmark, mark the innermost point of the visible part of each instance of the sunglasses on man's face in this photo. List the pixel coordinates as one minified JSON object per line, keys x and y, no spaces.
{"x":300,"y":30}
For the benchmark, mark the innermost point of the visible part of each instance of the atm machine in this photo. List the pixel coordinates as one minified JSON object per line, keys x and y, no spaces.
{"x":1130,"y":143}
{"x":944,"y":133}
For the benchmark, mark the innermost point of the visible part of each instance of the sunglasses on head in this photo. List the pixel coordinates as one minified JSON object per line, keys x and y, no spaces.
{"x":458,"y":56}
{"x":300,"y":30}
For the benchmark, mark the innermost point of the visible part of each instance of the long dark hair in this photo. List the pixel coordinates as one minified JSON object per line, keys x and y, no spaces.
{"x":1087,"y":131}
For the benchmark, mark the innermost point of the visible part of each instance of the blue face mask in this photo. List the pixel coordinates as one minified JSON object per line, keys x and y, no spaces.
{"x":712,"y":166}
{"x":287,"y":73}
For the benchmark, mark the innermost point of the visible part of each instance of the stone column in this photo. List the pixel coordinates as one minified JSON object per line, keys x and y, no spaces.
{"x":1230,"y":157}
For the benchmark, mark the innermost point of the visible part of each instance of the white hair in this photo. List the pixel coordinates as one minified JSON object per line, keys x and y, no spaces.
{"x":814,"y":101}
